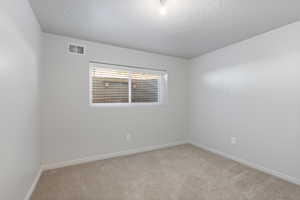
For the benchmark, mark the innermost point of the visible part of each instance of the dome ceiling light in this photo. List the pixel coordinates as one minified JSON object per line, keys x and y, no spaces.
{"x":163,"y":10}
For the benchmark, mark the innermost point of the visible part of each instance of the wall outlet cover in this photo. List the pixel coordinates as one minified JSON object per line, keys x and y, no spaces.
{"x":128,"y":137}
{"x":233,"y":140}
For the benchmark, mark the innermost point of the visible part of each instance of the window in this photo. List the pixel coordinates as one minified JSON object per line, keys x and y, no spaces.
{"x":113,"y":85}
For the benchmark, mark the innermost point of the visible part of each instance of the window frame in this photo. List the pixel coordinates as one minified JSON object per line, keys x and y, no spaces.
{"x":163,"y":85}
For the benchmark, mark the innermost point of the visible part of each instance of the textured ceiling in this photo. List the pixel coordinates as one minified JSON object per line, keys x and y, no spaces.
{"x":190,"y":28}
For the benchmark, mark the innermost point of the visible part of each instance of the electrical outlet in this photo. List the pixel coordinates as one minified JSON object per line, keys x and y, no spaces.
{"x":128,"y":137}
{"x":233,"y":140}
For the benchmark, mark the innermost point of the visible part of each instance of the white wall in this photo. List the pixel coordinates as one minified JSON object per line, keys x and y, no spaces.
{"x":19,"y":114}
{"x":72,"y":129}
{"x":251,"y":90}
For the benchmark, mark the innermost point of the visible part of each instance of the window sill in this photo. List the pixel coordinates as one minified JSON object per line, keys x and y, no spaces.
{"x":124,"y":104}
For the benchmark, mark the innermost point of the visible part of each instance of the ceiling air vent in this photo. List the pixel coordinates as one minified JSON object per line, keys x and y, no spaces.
{"x":76,"y":49}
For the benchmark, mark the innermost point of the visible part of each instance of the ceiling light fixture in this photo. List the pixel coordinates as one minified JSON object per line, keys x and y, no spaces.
{"x":163,"y":10}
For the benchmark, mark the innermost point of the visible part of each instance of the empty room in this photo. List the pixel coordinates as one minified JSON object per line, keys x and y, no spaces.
{"x":150,"y":99}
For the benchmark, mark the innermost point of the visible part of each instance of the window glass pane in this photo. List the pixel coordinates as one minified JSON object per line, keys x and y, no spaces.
{"x":145,"y":88}
{"x":109,"y":85}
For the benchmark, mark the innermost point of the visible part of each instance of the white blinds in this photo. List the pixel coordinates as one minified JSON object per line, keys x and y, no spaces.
{"x":145,"y":87}
{"x":118,"y":85}
{"x":109,"y":86}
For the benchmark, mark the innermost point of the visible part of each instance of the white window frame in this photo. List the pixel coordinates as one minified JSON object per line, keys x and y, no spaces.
{"x":163,"y":83}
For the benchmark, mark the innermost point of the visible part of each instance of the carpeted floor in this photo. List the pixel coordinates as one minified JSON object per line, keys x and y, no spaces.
{"x":183,"y":172}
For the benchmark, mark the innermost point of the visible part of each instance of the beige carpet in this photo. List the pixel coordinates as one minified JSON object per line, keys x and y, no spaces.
{"x":183,"y":172}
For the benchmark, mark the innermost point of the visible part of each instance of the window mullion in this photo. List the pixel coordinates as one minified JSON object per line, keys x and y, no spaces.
{"x":129,"y":87}
{"x":159,"y":88}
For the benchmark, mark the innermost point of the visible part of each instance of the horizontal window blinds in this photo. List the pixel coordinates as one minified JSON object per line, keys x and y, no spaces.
{"x":145,"y":87}
{"x":117,"y":85}
{"x":109,"y":86}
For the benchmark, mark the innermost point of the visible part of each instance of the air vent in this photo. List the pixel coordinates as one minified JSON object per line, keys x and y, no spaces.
{"x":76,"y":49}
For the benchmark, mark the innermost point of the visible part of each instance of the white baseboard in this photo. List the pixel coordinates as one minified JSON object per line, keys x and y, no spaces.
{"x":109,"y":155}
{"x":32,"y":187}
{"x":250,"y":164}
